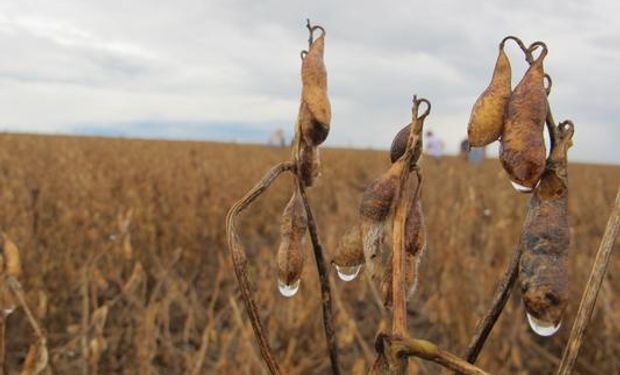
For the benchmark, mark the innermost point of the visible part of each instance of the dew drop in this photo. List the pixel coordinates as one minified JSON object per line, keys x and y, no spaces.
{"x":288,"y":290}
{"x":542,"y":328}
{"x":521,"y":188}
{"x":8,"y":310}
{"x":348,"y":273}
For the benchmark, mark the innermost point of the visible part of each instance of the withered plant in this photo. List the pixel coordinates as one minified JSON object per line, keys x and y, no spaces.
{"x":311,"y":129}
{"x":391,"y":207}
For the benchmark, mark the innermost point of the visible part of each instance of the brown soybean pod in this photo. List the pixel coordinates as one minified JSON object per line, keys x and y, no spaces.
{"x":290,"y":257}
{"x":522,"y":151}
{"x":309,"y":164}
{"x":350,"y":252}
{"x":543,"y":268}
{"x":486,"y":122}
{"x":315,"y":113}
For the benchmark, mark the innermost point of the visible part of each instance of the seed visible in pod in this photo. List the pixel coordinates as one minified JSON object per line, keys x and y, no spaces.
{"x":486,"y":122}
{"x":290,"y":257}
{"x":522,"y":150}
{"x":543,"y":268}
{"x":316,"y":108}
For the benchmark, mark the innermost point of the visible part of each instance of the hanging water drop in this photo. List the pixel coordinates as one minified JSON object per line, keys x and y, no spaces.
{"x":348,"y":273}
{"x":290,"y":289}
{"x":521,"y":188}
{"x":542,"y":328}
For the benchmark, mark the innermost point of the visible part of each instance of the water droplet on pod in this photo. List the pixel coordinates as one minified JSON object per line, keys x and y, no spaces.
{"x":288,"y":290}
{"x":542,"y":328}
{"x":348,"y":273}
{"x":521,"y":188}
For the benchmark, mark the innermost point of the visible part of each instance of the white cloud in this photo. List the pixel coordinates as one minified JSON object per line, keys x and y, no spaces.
{"x":73,"y":62}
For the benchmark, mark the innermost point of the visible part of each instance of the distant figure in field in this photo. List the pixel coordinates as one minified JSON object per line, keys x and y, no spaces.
{"x":277,"y":138}
{"x":477,"y":155}
{"x":464,"y":150}
{"x":434,"y":146}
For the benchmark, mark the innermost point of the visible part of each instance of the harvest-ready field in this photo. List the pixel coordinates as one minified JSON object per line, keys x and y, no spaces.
{"x":126,"y":265}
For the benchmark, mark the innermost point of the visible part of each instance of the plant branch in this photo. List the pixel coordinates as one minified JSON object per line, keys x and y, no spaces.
{"x":396,"y":347}
{"x":586,"y":307}
{"x":326,"y":297}
{"x":239,"y":259}
{"x":502,"y":292}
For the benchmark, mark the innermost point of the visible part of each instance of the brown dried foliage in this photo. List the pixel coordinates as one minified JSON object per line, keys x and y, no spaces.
{"x":63,"y":212}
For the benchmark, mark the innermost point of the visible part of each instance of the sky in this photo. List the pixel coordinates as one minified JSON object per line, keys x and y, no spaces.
{"x":230,"y":70}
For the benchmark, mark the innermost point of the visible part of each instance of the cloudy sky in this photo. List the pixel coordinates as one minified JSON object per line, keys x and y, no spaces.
{"x":229,"y":70}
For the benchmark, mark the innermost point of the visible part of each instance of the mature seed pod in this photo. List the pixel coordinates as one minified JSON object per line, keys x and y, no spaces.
{"x":309,"y":164}
{"x":543,"y":266}
{"x":399,"y":145}
{"x":350,"y":250}
{"x":377,"y":199}
{"x":486,"y":122}
{"x":315,"y":112}
{"x":374,"y":211}
{"x":415,"y":230}
{"x":290,"y":256}
{"x":11,"y":263}
{"x":411,"y":278}
{"x":522,"y":151}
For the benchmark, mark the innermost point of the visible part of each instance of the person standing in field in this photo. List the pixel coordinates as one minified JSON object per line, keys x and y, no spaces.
{"x":434,"y":146}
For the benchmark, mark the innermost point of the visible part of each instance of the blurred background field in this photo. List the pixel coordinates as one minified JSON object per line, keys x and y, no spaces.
{"x":127,"y":239}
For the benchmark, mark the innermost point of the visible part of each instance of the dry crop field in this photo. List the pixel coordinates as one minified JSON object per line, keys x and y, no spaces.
{"x":126,"y":266}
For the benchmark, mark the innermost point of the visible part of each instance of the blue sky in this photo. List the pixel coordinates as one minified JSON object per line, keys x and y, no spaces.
{"x":229,"y":70}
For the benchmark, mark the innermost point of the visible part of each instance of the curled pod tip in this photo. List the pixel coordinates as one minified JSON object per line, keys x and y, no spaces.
{"x":290,"y":256}
{"x":486,"y":122}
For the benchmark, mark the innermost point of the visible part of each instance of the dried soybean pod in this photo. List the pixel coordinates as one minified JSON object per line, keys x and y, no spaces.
{"x":399,"y":145}
{"x":11,"y":261}
{"x":522,"y":151}
{"x":309,"y":164}
{"x":315,"y":114}
{"x":411,"y":278}
{"x":350,"y":252}
{"x":290,"y":258}
{"x":415,"y":230}
{"x":375,"y":209}
{"x":486,"y":122}
{"x":543,"y":268}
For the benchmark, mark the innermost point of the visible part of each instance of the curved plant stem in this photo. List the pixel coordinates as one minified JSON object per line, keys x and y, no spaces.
{"x":497,"y":306}
{"x":326,"y":297}
{"x":403,"y":346}
{"x":240,"y":260}
{"x":586,"y":307}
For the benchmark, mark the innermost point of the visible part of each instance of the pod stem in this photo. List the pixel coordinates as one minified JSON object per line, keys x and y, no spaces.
{"x":588,"y":299}
{"x":326,"y":296}
{"x":239,"y":260}
{"x":502,"y":292}
{"x":393,"y":347}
